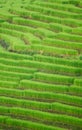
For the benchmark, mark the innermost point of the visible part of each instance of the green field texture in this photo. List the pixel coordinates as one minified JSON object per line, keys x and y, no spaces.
{"x":40,"y":65}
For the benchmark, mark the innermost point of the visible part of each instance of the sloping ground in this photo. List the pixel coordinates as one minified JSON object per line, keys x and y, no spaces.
{"x":40,"y":65}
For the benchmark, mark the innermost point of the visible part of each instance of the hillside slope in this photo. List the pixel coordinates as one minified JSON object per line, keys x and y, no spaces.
{"x":41,"y":65}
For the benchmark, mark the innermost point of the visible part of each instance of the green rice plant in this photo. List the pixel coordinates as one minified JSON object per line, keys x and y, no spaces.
{"x":27,"y":94}
{"x":8,"y":37}
{"x":40,"y":17}
{"x":1,"y":49}
{"x":10,"y":62}
{"x":69,"y":22}
{"x":44,"y":33}
{"x":19,"y":63}
{"x":7,"y":78}
{"x":45,"y":87}
{"x":16,"y":74}
{"x":59,"y":6}
{"x":8,"y":121}
{"x":68,"y":37}
{"x":10,"y":32}
{"x":52,"y":78}
{"x":2,"y":2}
{"x":43,"y":17}
{"x":26,"y":13}
{"x":18,"y":27}
{"x":72,"y":22}
{"x":80,"y":4}
{"x":28,"y":84}
{"x":5,"y":15}
{"x":16,"y":69}
{"x":32,"y":23}
{"x":19,"y":12}
{"x":77,"y":31}
{"x":78,"y":82}
{"x":41,"y":96}
{"x":53,"y":12}
{"x":80,"y":57}
{"x":56,"y":1}
{"x":60,"y":61}
{"x":75,"y":90}
{"x":14,"y":56}
{"x":68,"y":99}
{"x":38,"y":9}
{"x":28,"y":38}
{"x":60,"y":28}
{"x":63,"y":44}
{"x":18,"y":48}
{"x":61,"y":69}
{"x":8,"y":84}
{"x":48,"y":51}
{"x":51,"y":68}
{"x":40,"y":87}
{"x":1,"y":20}
{"x":43,"y":106}
{"x":61,"y":1}
{"x":27,"y":113}
{"x":13,"y":42}
{"x":67,"y":109}
{"x":52,"y":50}
{"x":75,"y":2}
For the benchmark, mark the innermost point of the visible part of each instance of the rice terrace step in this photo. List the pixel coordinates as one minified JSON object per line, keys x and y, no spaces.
{"x":40,"y":64}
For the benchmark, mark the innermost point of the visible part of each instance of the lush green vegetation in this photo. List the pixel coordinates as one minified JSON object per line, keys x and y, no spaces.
{"x":40,"y":65}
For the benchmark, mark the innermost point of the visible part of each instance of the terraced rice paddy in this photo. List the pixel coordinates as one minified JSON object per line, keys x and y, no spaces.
{"x":40,"y":65}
